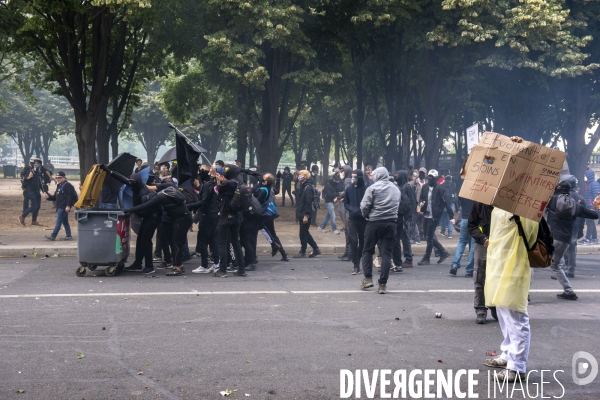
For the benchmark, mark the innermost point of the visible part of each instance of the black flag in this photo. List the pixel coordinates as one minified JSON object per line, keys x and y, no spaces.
{"x":187,"y":161}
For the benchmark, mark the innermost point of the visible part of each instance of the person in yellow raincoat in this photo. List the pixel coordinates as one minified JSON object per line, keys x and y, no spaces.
{"x":506,"y":287}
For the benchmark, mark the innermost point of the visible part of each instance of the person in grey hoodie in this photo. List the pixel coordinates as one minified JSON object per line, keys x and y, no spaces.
{"x":379,"y":206}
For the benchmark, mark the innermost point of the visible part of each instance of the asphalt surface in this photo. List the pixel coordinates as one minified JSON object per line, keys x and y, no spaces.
{"x":283,"y":332}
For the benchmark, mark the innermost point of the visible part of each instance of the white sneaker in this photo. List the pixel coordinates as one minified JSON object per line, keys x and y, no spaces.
{"x":336,"y":232}
{"x":201,"y":270}
{"x":377,"y":262}
{"x":320,"y":229}
{"x":214,"y":268}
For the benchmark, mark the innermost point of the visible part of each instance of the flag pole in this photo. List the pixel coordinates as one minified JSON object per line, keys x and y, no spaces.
{"x":188,"y":139}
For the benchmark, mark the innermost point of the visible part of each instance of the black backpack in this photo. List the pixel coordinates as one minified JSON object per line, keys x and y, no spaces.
{"x":316,"y":203}
{"x":242,"y":198}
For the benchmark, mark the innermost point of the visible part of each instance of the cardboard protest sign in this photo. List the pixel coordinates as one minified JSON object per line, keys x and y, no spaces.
{"x":516,"y":177}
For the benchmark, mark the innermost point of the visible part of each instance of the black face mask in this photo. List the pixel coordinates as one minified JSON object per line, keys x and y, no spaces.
{"x":432,"y":181}
{"x":203,"y":175}
{"x":421,"y":175}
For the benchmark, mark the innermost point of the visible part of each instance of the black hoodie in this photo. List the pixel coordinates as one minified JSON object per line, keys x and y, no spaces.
{"x":305,"y":198}
{"x":354,"y":194}
{"x":406,"y":189}
{"x":227,"y":188}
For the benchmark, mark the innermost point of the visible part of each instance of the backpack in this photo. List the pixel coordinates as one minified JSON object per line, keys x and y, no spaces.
{"x":404,"y":208}
{"x":242,"y":198}
{"x":175,"y":194}
{"x":190,"y":196}
{"x":540,"y":252}
{"x":316,"y":202}
{"x":255,"y":210}
{"x":566,"y":206}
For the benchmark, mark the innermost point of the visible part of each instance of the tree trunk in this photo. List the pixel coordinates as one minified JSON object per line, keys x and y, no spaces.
{"x":114,"y":139}
{"x":85,"y":133}
{"x":103,"y":139}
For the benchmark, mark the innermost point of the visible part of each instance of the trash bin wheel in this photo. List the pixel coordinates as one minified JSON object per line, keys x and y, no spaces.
{"x":111,"y":271}
{"x":80,"y":271}
{"x":92,"y":267}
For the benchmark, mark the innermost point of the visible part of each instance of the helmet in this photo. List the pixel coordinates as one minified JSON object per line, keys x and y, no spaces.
{"x":573,"y":181}
{"x":433,"y":173}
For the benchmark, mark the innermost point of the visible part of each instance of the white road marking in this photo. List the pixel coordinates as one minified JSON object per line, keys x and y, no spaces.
{"x":13,"y":296}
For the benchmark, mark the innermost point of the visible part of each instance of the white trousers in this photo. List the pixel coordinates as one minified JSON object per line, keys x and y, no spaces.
{"x":517,"y":338}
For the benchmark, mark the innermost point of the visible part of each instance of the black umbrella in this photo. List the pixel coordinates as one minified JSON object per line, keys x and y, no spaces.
{"x":171,"y":154}
{"x":123,"y":164}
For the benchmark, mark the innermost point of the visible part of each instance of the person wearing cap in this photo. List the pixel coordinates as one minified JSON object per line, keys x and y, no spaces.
{"x":65,"y":197}
{"x":432,"y":202}
{"x":33,"y":182}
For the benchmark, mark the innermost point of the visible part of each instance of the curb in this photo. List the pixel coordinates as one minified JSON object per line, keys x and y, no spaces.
{"x":262,"y":250}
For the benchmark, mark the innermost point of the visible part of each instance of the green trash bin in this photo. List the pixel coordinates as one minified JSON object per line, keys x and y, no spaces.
{"x":10,"y":171}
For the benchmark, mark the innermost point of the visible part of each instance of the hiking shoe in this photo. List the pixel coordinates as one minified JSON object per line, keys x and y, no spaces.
{"x":302,"y":254}
{"x":443,"y":256}
{"x":468,"y":275}
{"x":567,"y":296}
{"x":315,"y":252}
{"x":366,"y":283}
{"x":356,"y":270}
{"x":35,"y":223}
{"x":148,"y":271}
{"x":219,"y":274}
{"x":497,"y":362}
{"x":481,"y":319}
{"x":423,"y":262}
{"x":407,"y":265}
{"x":494,"y":313}
{"x":453,"y":271}
{"x":570,"y":275}
{"x":21,"y":220}
{"x":240,"y":273}
{"x":165,"y":265}
{"x":336,"y":232}
{"x":381,"y":289}
{"x":510,"y":376}
{"x":200,"y":270}
{"x":50,"y":237}
{"x":67,"y":238}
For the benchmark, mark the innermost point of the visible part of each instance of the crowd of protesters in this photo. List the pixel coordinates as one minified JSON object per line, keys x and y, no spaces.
{"x":382,"y":216}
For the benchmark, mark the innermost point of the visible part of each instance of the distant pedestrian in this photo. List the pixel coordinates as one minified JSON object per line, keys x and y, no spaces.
{"x":65,"y":197}
{"x":305,"y":213}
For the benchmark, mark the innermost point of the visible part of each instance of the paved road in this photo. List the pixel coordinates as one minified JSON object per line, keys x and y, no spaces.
{"x":284,"y":332}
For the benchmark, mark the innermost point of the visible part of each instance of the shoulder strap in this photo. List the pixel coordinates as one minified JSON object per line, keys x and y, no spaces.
{"x":521,"y":231}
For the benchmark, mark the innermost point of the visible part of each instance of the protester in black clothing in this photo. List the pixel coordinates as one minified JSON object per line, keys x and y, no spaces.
{"x":229,"y":219}
{"x":305,"y":213}
{"x":353,"y":195}
{"x":208,"y":209}
{"x":150,"y":220}
{"x":480,"y":219}
{"x":402,"y":228}
{"x":330,"y":193}
{"x":433,"y":201}
{"x":24,"y":172}
{"x":286,"y":186}
{"x":65,"y":197}
{"x":33,"y":181}
{"x":165,"y":238}
{"x":266,"y":198}
{"x":172,"y":202}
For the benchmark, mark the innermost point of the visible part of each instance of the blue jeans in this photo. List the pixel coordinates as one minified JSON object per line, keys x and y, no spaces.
{"x":464,"y":239}
{"x":109,"y":205}
{"x":35,"y":198}
{"x":62,"y":218}
{"x":445,"y":221}
{"x":329,"y":217}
